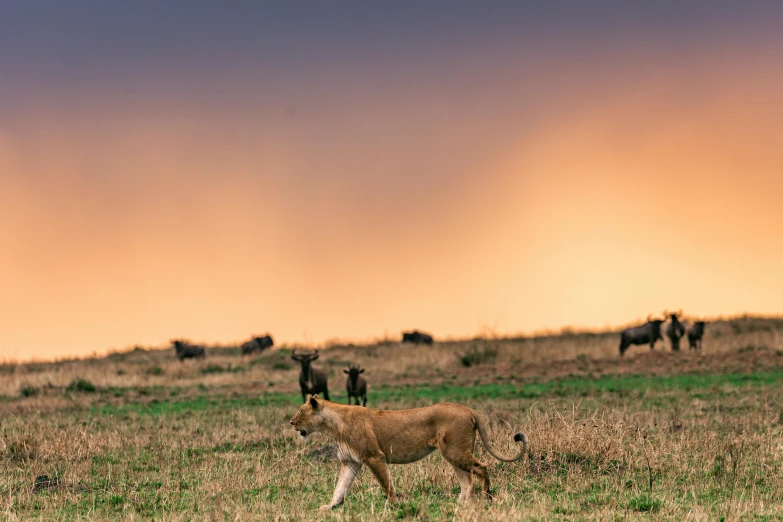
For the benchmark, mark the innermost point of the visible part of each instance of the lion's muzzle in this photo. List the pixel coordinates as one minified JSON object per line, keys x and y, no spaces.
{"x":303,"y":433}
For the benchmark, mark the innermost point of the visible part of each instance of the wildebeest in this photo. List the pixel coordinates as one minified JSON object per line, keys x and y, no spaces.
{"x":416,"y":337}
{"x":311,"y":380}
{"x":675,"y":331}
{"x":695,"y":333}
{"x":257,"y":344}
{"x":356,"y":385}
{"x":185,"y":350}
{"x":649,"y":332}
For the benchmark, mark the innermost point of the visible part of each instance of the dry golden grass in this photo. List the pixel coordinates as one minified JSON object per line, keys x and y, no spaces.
{"x":394,"y":363}
{"x":210,"y":439}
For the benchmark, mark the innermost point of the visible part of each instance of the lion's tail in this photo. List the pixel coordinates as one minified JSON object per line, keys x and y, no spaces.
{"x":519,"y":437}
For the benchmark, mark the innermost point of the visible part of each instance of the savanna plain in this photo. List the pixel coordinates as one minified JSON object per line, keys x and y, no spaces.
{"x":653,"y":435}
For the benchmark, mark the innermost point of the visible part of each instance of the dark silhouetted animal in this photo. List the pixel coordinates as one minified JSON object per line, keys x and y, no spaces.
{"x":311,"y":380}
{"x":356,"y":385}
{"x":416,"y":337}
{"x":257,"y":344}
{"x":695,"y":333}
{"x":675,"y":331}
{"x":649,"y":332}
{"x":186,"y":350}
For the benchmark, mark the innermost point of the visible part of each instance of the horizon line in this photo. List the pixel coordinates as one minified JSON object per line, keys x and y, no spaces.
{"x":335,"y":342}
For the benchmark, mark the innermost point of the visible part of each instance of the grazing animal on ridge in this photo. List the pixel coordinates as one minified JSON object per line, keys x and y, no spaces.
{"x":675,"y":331}
{"x":356,"y":385}
{"x":416,"y":337}
{"x":378,"y":438}
{"x":185,"y":350}
{"x":649,"y":332}
{"x":311,"y":380}
{"x":695,"y":334}
{"x":257,"y":344}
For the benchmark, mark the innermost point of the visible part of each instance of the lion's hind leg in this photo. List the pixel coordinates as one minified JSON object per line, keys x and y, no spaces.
{"x":465,"y":470}
{"x":465,"y":483}
{"x":480,"y":470}
{"x":459,"y":453}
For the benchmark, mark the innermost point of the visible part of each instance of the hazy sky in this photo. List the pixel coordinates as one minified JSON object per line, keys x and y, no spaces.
{"x":326,"y":170}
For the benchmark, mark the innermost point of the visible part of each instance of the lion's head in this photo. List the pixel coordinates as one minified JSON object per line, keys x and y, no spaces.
{"x":308,"y":419}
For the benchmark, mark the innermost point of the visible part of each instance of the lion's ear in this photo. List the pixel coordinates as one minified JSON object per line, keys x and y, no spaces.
{"x":345,"y":371}
{"x":361,"y":371}
{"x":314,"y":401}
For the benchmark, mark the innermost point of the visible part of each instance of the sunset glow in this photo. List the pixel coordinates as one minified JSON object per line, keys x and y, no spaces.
{"x":325,"y":173}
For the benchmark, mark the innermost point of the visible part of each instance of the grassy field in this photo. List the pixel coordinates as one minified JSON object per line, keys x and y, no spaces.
{"x":139,"y":435}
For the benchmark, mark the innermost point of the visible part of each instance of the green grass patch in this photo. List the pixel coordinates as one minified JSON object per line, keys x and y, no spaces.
{"x":699,"y":385}
{"x":644,"y":503}
{"x":578,"y":387}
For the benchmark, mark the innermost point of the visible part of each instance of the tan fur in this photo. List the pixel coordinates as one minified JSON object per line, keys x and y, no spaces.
{"x":377,"y":438}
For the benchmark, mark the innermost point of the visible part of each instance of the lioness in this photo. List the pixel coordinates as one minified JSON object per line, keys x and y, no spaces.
{"x":381,"y":437}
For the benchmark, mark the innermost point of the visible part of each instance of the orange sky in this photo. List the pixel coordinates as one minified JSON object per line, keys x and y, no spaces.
{"x":515,"y":198}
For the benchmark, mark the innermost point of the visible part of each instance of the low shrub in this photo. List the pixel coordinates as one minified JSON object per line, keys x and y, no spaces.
{"x":81,"y":385}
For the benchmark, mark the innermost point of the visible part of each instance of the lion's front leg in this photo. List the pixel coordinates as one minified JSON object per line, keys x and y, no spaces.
{"x":348,"y":472}
{"x":382,"y":472}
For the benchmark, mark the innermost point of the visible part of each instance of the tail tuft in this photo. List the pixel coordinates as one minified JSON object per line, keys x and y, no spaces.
{"x":521,"y":437}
